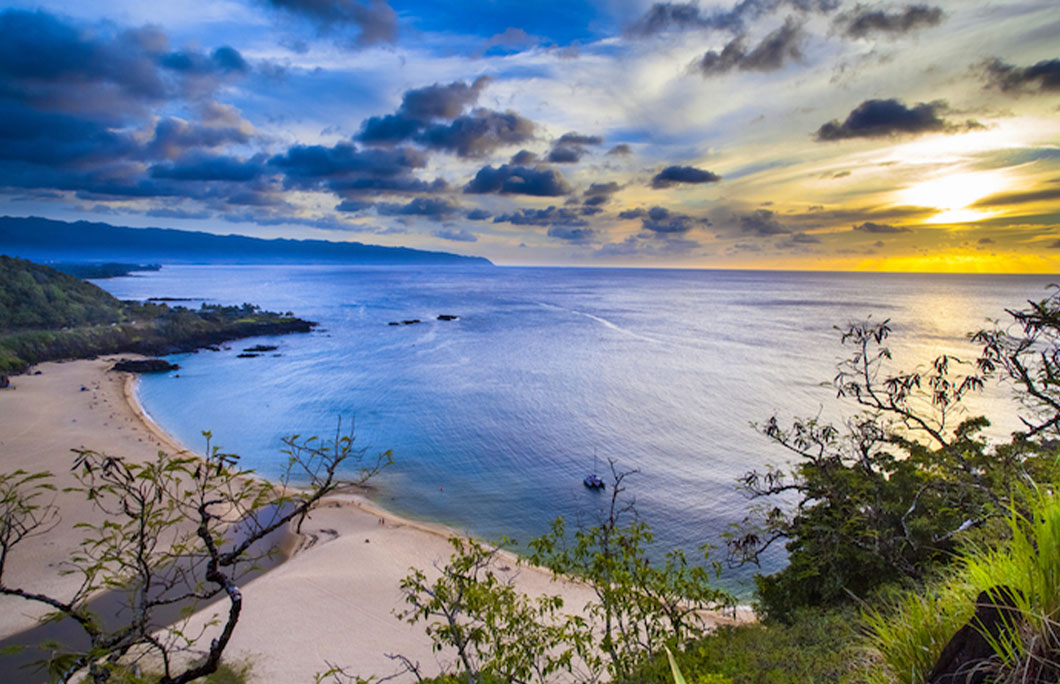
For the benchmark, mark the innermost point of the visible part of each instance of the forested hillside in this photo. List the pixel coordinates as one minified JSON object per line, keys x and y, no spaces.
{"x":47,"y":315}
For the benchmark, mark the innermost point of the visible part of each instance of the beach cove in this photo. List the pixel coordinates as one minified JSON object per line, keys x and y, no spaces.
{"x":330,"y":602}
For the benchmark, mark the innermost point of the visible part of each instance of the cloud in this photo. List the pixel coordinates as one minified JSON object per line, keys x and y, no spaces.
{"x":208,"y":167}
{"x":622,"y":149}
{"x":314,"y":162}
{"x":518,"y":180}
{"x":1042,"y":76}
{"x":1010,"y":198}
{"x":985,"y":241}
{"x":769,"y":55}
{"x":762,"y":222}
{"x":660,"y":220}
{"x":882,"y":118}
{"x":456,"y":235}
{"x":864,"y":20}
{"x":523,"y":157}
{"x":667,"y":17}
{"x":1055,"y":245}
{"x":672,"y":175}
{"x":478,"y":133}
{"x":434,"y":208}
{"x":169,"y":213}
{"x":600,"y":193}
{"x":578,"y":236}
{"x":629,"y":214}
{"x":172,"y":136}
{"x":375,"y":20}
{"x":542,"y":217}
{"x":477,"y":215}
{"x":870,"y":227}
{"x":419,"y":107}
{"x":563,"y":154}
{"x":353,"y":206}
{"x":579,"y":139}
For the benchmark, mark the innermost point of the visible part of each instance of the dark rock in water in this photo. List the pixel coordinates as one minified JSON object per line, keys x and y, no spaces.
{"x":413,"y":321}
{"x":966,"y":658}
{"x":393,"y":323}
{"x":4,"y":381}
{"x":212,"y":348}
{"x":247,"y":355}
{"x":145,"y":366}
{"x":261,"y":348}
{"x":447,"y":317}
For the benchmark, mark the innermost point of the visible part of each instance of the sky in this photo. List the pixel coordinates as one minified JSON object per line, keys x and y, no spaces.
{"x":778,"y":134}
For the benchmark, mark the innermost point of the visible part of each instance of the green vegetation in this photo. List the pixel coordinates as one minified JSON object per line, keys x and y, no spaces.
{"x":47,"y":315}
{"x":177,"y":531}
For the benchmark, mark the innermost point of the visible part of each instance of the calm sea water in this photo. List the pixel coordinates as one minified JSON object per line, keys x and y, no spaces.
{"x":494,"y":418}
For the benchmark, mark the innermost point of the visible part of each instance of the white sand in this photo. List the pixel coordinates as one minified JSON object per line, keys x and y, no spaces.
{"x":332,"y":602}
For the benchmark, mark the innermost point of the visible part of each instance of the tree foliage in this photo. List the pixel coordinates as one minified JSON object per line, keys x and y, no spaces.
{"x":176,"y":530}
{"x":885,"y":496}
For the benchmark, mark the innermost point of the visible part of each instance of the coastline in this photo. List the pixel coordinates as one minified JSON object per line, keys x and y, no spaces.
{"x":338,"y":586}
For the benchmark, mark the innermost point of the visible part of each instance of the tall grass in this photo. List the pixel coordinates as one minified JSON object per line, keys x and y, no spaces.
{"x":909,"y":634}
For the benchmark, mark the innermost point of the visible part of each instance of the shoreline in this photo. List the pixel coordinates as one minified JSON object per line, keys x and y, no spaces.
{"x":339,"y":582}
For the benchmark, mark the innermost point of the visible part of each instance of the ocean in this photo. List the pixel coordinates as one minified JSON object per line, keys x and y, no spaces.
{"x":494,"y":418}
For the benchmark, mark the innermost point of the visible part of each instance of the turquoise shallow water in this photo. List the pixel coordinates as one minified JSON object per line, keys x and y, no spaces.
{"x":495,"y":418}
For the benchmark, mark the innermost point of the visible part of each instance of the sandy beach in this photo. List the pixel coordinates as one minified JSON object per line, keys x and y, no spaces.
{"x":331,"y":602}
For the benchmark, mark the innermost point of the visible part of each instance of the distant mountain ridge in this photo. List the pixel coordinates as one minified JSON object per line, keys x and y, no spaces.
{"x":39,"y":239}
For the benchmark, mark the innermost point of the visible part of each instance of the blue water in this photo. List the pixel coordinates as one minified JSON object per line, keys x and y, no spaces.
{"x":494,"y":419}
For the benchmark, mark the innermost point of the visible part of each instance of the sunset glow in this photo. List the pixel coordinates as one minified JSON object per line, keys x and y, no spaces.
{"x":716,"y":134}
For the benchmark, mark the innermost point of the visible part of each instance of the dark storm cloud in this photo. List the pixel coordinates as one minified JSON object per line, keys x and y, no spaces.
{"x":865,"y":19}
{"x":870,"y":227}
{"x":579,"y":139}
{"x":621,"y":149}
{"x":552,"y":216}
{"x":661,"y":220}
{"x":418,"y":108}
{"x":1042,"y":76}
{"x":770,"y":54}
{"x":456,"y":235}
{"x":433,"y":208}
{"x":49,"y":64}
{"x":478,"y":215}
{"x":882,"y":118}
{"x":673,"y":175}
{"x":563,"y":154}
{"x":375,"y":20}
{"x":307,"y":165}
{"x":422,"y":119}
{"x":205,"y":167}
{"x":518,"y":180}
{"x":353,"y":206}
{"x":599,"y":194}
{"x":478,"y":133}
{"x":762,"y":222}
{"x":173,"y":136}
{"x":78,"y":110}
{"x":666,"y":17}
{"x":523,"y":157}
{"x":578,"y":236}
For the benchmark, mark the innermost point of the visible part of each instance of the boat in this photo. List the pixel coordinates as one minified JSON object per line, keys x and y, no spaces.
{"x":592,"y":481}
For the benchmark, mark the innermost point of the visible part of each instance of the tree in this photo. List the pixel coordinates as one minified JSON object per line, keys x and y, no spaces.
{"x":178,"y":531}
{"x":886,"y":496}
{"x":639,"y":607}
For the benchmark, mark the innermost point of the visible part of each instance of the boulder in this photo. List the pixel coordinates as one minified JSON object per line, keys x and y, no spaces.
{"x":447,"y":317}
{"x":4,"y":381}
{"x":145,"y":366}
{"x":261,"y":348}
{"x":412,"y":321}
{"x":967,"y":657}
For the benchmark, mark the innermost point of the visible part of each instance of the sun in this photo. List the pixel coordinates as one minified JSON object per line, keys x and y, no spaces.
{"x":953,"y":194}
